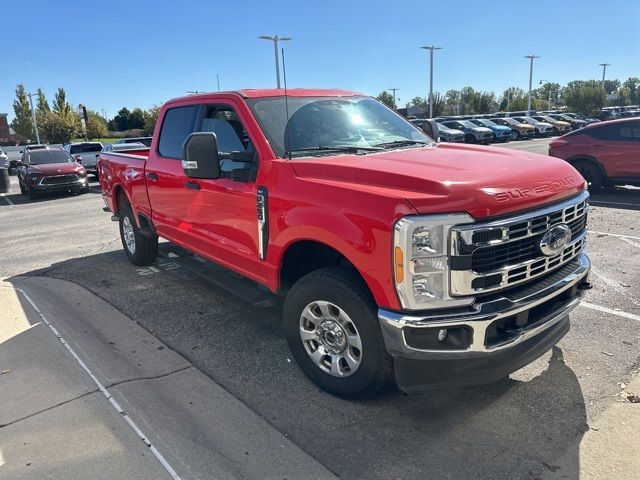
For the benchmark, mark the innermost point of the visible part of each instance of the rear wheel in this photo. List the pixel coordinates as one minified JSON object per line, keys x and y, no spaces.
{"x":32,"y":194}
{"x":470,"y":138}
{"x":141,"y":249}
{"x":331,"y":325}
{"x":515,"y":135}
{"x":591,"y":173}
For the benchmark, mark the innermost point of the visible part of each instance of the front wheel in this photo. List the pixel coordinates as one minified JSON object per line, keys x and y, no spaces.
{"x":331,"y":325}
{"x":591,"y":173}
{"x":141,"y":249}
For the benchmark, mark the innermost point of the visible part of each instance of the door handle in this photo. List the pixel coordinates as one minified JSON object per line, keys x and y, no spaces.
{"x":192,"y":185}
{"x":152,"y":176}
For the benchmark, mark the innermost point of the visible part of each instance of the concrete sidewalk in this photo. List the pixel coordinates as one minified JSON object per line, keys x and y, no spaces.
{"x":54,"y":421}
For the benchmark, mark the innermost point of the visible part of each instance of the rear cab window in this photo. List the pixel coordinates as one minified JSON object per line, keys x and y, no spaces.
{"x":85,"y":148}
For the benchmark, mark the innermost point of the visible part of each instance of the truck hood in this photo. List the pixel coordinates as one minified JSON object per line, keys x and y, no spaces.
{"x":481,"y":181}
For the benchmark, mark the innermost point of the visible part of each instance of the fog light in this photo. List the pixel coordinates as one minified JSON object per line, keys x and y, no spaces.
{"x":442,"y":334}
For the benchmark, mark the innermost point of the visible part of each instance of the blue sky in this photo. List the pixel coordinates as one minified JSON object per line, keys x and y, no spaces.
{"x":139,"y":53}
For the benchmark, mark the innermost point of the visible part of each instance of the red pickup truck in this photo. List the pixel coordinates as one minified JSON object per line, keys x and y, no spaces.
{"x":399,"y":259}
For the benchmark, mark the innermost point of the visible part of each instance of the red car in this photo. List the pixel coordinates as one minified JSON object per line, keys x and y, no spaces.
{"x":436,"y":264}
{"x":606,"y":153}
{"x":48,"y":170}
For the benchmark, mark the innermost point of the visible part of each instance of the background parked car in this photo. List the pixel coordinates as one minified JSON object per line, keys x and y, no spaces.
{"x":472,"y":132}
{"x":123,"y":147}
{"x":500,"y":132}
{"x":3,"y":159}
{"x":574,"y":122}
{"x":519,"y":130}
{"x":560,"y":127}
{"x":450,"y":134}
{"x":144,"y":140}
{"x":577,"y":116}
{"x":606,"y":153}
{"x":50,"y":170}
{"x":86,"y":153}
{"x":543,"y":129}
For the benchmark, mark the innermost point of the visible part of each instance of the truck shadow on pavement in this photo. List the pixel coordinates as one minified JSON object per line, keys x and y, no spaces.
{"x":511,"y":429}
{"x":623,"y":198}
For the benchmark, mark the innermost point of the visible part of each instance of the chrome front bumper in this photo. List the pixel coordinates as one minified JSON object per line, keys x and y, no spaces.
{"x":479,"y":317}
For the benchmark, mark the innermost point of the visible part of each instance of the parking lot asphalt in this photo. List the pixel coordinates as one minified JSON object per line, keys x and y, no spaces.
{"x":529,"y":426}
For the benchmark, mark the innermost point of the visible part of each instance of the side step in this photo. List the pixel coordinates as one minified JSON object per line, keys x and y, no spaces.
{"x":231,"y":282}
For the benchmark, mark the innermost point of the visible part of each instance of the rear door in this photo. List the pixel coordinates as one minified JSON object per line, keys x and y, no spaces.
{"x":165,"y":178}
{"x":618,"y":149}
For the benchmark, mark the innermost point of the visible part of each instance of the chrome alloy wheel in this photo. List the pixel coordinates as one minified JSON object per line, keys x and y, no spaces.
{"x":129,"y":235}
{"x":330,"y":338}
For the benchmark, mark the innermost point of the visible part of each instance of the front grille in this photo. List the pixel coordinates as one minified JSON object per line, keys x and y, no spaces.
{"x":59,"y":179}
{"x":503,"y":253}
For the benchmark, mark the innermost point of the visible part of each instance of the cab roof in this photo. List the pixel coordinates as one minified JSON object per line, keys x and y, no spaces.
{"x":276,"y":92}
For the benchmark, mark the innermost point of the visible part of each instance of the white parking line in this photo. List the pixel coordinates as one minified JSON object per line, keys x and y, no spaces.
{"x":614,"y":235}
{"x":6,"y":199}
{"x":619,"y":313}
{"x":104,"y":391}
{"x":630,"y":242}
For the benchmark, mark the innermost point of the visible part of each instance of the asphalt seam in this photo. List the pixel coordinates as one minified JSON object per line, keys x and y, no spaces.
{"x":104,"y":391}
{"x":48,"y":408}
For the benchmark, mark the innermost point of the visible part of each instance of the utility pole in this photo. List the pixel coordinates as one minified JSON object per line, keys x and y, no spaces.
{"x":218,"y":81}
{"x":33,"y":115}
{"x":275,"y":39}
{"x":604,"y":71}
{"x":530,"y":57}
{"x":394,"y":95}
{"x":458,"y":105}
{"x":549,"y":92}
{"x":431,"y":48}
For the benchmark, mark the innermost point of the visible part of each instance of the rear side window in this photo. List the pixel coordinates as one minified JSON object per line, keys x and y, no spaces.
{"x":178,"y":124}
{"x":627,"y":131}
{"x":85,"y":148}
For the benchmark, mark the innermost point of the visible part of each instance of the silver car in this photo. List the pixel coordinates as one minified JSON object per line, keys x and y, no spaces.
{"x":86,"y":153}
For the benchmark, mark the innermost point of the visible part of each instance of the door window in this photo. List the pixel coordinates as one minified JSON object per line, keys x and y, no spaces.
{"x":224,"y":121}
{"x":177,"y":125}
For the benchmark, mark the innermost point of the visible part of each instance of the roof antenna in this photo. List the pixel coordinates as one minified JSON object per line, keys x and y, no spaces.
{"x":286,"y":104}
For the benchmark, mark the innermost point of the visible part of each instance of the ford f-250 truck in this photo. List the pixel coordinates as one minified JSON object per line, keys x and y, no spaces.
{"x":399,"y":259}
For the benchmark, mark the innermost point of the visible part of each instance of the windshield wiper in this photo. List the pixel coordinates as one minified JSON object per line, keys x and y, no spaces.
{"x":335,"y":148}
{"x":400,"y":143}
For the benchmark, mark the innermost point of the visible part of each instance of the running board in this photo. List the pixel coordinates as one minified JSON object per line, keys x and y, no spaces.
{"x":196,"y":266}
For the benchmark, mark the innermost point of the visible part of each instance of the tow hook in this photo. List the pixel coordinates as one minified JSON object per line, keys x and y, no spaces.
{"x":585,"y":286}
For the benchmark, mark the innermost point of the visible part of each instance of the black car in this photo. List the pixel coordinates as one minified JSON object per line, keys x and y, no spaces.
{"x":575,"y":122}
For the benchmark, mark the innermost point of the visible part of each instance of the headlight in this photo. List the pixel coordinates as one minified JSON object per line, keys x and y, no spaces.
{"x":421,"y":261}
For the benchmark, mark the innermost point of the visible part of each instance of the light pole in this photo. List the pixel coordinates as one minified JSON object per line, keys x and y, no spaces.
{"x":604,"y":71}
{"x":275,"y":39}
{"x":394,"y":94}
{"x":530,"y":57}
{"x":33,"y":115}
{"x":218,"y":81}
{"x":549,"y":100}
{"x":431,"y":48}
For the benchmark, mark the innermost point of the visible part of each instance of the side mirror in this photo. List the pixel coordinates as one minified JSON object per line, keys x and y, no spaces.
{"x":78,"y":158}
{"x":201,"y":156}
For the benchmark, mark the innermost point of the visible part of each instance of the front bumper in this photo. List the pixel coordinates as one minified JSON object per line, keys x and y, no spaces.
{"x":497,"y":335}
{"x":61,"y":187}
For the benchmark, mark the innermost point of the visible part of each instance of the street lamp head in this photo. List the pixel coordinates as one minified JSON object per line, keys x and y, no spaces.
{"x":284,"y":39}
{"x":604,"y":64}
{"x":531,"y":56}
{"x":266,"y":37}
{"x":431,"y":47}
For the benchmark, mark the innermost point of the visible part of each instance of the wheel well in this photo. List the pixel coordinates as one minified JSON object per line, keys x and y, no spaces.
{"x":121,"y":198}
{"x":591,"y":160}
{"x":306,"y":256}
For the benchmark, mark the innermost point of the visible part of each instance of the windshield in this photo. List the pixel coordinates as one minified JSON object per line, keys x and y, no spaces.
{"x":510,"y":121}
{"x":529,"y":119}
{"x":486,"y":123}
{"x":468,"y":124}
{"x":41,"y":157}
{"x":321,"y":125}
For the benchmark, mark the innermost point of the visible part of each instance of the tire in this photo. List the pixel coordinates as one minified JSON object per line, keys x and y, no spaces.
{"x":591,"y":173}
{"x":515,"y":135}
{"x":469,"y":138}
{"x":140,"y":249}
{"x":23,"y":190}
{"x":32,"y":194}
{"x":335,"y":302}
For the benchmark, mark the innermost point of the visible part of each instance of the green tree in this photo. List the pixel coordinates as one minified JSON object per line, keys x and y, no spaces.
{"x":42,"y":104}
{"x":136,"y":119}
{"x":150,"y":118}
{"x":586,"y":97}
{"x":611,"y":86}
{"x":513,"y":99}
{"x":418,"y":102}
{"x":120,"y":122}
{"x":60,"y":105}
{"x":56,"y":128}
{"x":632,"y":84}
{"x":22,"y":122}
{"x":96,"y":125}
{"x":543,"y":92}
{"x":386,"y":98}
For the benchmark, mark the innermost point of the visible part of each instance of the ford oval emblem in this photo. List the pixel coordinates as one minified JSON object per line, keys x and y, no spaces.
{"x":555,"y":240}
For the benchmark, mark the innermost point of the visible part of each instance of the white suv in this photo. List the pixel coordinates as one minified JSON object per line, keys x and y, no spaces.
{"x":87,"y":153}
